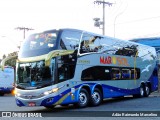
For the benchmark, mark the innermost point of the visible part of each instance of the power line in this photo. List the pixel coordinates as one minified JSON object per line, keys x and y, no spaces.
{"x":138,"y":20}
{"x":103,"y":3}
{"x":24,"y":30}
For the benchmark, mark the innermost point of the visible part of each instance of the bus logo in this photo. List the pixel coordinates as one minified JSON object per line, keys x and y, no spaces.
{"x":114,"y":60}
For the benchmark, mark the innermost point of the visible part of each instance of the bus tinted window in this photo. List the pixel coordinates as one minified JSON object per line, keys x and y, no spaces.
{"x":109,"y":73}
{"x":70,"y":40}
{"x":90,"y":43}
{"x":96,"y":73}
{"x":66,"y":68}
{"x":116,"y":74}
{"x":126,"y":74}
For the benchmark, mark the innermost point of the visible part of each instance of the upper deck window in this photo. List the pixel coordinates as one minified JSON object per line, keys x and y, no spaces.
{"x":39,"y":44}
{"x":90,"y":43}
{"x":70,"y":40}
{"x":43,"y":40}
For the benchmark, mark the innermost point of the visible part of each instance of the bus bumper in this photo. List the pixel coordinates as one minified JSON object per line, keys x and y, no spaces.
{"x":43,"y":101}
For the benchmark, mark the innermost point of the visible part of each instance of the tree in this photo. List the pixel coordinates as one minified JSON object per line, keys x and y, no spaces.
{"x":4,"y":56}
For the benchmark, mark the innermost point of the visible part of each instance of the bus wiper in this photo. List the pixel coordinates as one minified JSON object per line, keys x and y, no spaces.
{"x":46,"y":84}
{"x":20,"y":86}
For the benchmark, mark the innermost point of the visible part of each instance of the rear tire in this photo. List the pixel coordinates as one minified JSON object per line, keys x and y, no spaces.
{"x":142,"y":91}
{"x":147,"y":91}
{"x":96,"y":97}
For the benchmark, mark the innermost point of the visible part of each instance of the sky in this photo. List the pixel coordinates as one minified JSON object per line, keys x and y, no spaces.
{"x":125,"y":19}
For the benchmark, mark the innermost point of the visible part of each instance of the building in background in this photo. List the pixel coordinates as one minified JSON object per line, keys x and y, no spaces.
{"x":152,"y":41}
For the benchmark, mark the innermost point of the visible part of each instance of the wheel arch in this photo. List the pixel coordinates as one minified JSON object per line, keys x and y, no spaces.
{"x":142,"y":83}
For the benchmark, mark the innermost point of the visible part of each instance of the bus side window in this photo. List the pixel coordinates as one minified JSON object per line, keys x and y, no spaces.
{"x":96,"y":73}
{"x":70,"y":40}
{"x":133,"y":74}
{"x":116,"y":74}
{"x":90,"y":43}
{"x":126,"y":74}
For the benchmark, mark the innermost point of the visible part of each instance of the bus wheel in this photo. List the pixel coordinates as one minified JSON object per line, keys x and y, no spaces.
{"x":96,"y":97}
{"x":142,"y":91}
{"x":147,"y":91}
{"x":83,"y":98}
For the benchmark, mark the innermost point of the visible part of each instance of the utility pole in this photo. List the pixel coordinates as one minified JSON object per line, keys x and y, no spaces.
{"x":103,"y":3}
{"x":24,"y":30}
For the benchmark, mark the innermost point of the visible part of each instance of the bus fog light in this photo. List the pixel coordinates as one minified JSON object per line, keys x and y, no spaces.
{"x":49,"y":100}
{"x":17,"y":94}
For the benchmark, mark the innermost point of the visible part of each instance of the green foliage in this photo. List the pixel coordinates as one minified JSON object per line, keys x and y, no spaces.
{"x":11,"y":62}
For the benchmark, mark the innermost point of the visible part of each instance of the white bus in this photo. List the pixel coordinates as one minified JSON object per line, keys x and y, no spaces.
{"x":69,"y":66}
{"x":6,"y":80}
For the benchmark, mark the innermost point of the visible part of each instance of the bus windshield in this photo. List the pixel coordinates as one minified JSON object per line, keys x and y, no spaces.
{"x":35,"y":74}
{"x":39,"y":44}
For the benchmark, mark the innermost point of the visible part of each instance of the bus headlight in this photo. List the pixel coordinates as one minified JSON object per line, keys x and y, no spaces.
{"x":51,"y":91}
{"x":14,"y":92}
{"x":54,"y":90}
{"x":17,"y":94}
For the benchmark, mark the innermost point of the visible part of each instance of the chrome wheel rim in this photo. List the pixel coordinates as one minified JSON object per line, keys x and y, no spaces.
{"x":82,"y":98}
{"x":96,"y":97}
{"x":147,"y":90}
{"x":141,"y":91}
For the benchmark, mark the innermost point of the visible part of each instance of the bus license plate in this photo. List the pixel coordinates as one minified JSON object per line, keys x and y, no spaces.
{"x":31,"y":104}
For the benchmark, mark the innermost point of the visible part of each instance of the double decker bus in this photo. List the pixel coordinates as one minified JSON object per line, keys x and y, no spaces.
{"x":70,"y":66}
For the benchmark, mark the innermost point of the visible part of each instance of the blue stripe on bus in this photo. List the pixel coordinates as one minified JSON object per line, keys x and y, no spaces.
{"x":19,"y":103}
{"x":108,"y":91}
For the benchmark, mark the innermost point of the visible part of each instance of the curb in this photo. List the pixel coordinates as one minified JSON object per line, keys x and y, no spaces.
{"x":155,"y":94}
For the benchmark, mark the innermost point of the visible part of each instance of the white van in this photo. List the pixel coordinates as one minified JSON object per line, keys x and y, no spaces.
{"x":6,"y":80}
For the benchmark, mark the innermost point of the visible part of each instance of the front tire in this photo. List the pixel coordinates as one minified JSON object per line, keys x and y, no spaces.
{"x":83,"y":98}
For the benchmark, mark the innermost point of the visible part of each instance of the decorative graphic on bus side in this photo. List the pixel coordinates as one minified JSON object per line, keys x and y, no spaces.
{"x":84,"y":61}
{"x":114,"y":60}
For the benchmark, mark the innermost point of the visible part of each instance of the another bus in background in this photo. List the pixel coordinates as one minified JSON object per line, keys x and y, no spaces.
{"x":6,"y":80}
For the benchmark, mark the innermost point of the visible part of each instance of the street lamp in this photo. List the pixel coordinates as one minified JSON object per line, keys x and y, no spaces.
{"x":104,"y":3}
{"x":97,"y":22}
